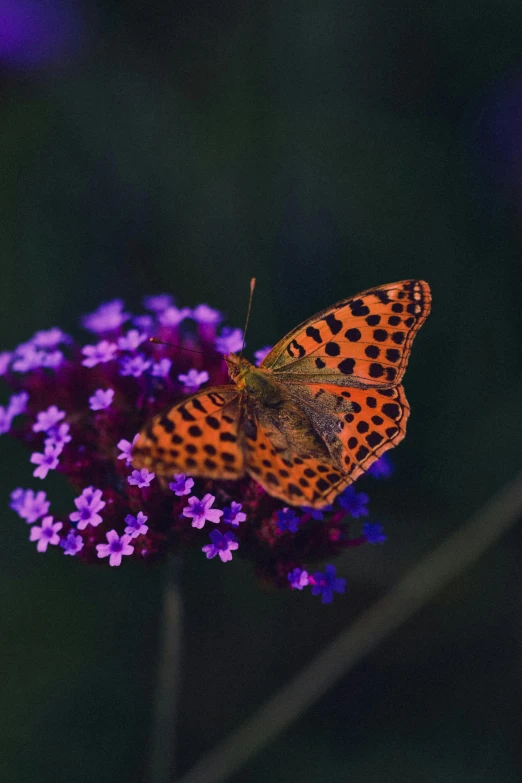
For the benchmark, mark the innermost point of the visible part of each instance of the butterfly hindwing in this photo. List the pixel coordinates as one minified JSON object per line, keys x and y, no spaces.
{"x":364,"y":341}
{"x":199,"y":436}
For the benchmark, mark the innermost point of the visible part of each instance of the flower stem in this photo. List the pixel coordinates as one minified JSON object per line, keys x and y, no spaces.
{"x":433,"y":572}
{"x":163,"y":737}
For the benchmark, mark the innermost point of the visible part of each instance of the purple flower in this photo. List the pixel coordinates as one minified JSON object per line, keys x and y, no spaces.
{"x":136,"y":525}
{"x":28,"y":505}
{"x":162,"y":368}
{"x":101,"y":399}
{"x":204,"y":314}
{"x":50,"y":338}
{"x":52,"y":360}
{"x":107,"y":317}
{"x":145,"y":323}
{"x":193,"y":379}
{"x":234,"y":515}
{"x":298,"y":578}
{"x":222,"y":545}
{"x":261,"y":354}
{"x":229,"y":341}
{"x":72,"y":544}
{"x":157,"y":303}
{"x":381,"y":468}
{"x":200,"y":511}
{"x":317,"y":513}
{"x":27,"y":358}
{"x":140,"y":478}
{"x":99,"y":354}
{"x":126,"y":447}
{"x":131,"y":341}
{"x":46,"y":534}
{"x":327,"y":584}
{"x":46,"y":461}
{"x":5,"y":358}
{"x":373,"y":533}
{"x":134,"y":365}
{"x":116,"y":548}
{"x":5,"y":420}
{"x":171,"y":316}
{"x":181,"y":484}
{"x":18,"y":403}
{"x":287,"y":520}
{"x":353,"y":502}
{"x":58,"y":436}
{"x":47,"y":419}
{"x":88,"y":505}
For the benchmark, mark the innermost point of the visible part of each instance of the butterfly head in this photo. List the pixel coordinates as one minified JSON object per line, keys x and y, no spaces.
{"x":238,"y":368}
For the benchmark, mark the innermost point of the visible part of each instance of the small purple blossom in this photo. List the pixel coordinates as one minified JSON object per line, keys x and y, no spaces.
{"x":5,"y":420}
{"x":193,"y":379}
{"x":298,"y":578}
{"x":126,"y":447}
{"x":136,"y":525}
{"x":317,"y":513}
{"x":58,"y":436}
{"x":171,"y":316}
{"x":101,"y":399}
{"x":327,"y":584}
{"x":222,"y":545}
{"x":47,"y":419}
{"x":229,"y":341}
{"x":72,"y":544}
{"x":101,"y":353}
{"x":181,"y":484}
{"x":353,"y":502}
{"x":203,"y":314}
{"x":50,"y":338}
{"x":140,"y":478}
{"x":115,"y":548}
{"x":162,"y":368}
{"x":88,"y":505}
{"x":381,"y":468}
{"x":27,"y":358}
{"x":51,"y":360}
{"x":134,"y":365}
{"x":373,"y":533}
{"x":5,"y":359}
{"x":157,"y":303}
{"x":46,"y":534}
{"x":200,"y":511}
{"x":145,"y":323}
{"x":261,"y":354}
{"x":234,"y":515}
{"x":287,"y":520}
{"x":46,"y":461}
{"x":131,"y":341}
{"x":106,"y":318}
{"x":18,"y":403}
{"x":28,"y":505}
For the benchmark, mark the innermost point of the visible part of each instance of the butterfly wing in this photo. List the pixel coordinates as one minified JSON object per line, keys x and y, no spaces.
{"x":199,"y":436}
{"x":346,"y":431}
{"x":364,"y":341}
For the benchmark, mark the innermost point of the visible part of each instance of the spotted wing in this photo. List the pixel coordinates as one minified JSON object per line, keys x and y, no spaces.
{"x":364,"y":341}
{"x":351,"y":430}
{"x":199,"y":436}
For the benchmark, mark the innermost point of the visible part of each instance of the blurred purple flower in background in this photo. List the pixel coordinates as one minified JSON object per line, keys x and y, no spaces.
{"x":38,"y":32}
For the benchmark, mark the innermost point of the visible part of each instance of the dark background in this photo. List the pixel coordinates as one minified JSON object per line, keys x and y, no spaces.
{"x":325,"y":147}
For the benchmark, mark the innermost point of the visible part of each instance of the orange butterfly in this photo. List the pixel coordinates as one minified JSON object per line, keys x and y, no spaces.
{"x":324,"y":404}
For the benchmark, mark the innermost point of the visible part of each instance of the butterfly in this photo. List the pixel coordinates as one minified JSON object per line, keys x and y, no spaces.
{"x":324,"y":404}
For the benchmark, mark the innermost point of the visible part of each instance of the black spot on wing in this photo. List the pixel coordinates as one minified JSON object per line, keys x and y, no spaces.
{"x":333,"y":323}
{"x":314,"y":333}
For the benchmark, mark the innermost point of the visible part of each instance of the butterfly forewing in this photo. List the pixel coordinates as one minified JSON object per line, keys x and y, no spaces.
{"x":200,"y":437}
{"x":364,"y":341}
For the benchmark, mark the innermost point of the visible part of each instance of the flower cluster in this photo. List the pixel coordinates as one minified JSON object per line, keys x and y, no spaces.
{"x":78,"y":408}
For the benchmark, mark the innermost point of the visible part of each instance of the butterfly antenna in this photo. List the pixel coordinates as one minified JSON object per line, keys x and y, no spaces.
{"x":252,"y":286}
{"x":179,"y":347}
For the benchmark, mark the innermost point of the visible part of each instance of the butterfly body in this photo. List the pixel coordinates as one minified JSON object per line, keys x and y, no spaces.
{"x":322,"y":407}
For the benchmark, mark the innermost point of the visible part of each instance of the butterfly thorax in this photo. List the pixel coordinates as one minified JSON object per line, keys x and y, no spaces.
{"x":255,"y":382}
